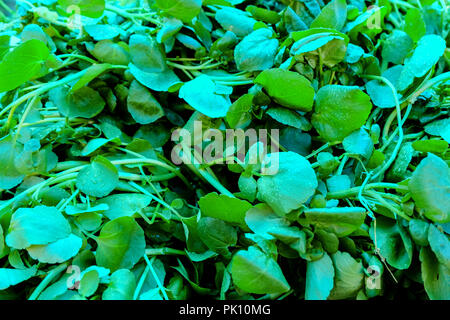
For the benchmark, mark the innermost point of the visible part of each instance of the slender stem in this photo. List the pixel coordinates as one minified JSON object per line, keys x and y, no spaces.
{"x":49,"y":278}
{"x":164,"y":252}
{"x":78,"y":56}
{"x":355,"y":190}
{"x":163,"y":203}
{"x":324,"y":147}
{"x":155,"y":276}
{"x":399,"y":120}
{"x":141,"y":282}
{"x":16,"y":103}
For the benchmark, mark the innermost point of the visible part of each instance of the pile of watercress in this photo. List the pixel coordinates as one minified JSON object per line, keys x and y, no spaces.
{"x":93,"y":205}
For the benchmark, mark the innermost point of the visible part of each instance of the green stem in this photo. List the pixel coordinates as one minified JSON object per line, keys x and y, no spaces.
{"x":324,"y":147}
{"x":164,"y":252}
{"x":399,"y":120}
{"x":155,"y":276}
{"x":141,"y":282}
{"x":16,"y":103}
{"x":163,"y":203}
{"x":355,"y":190}
{"x":49,"y":278}
{"x":78,"y":56}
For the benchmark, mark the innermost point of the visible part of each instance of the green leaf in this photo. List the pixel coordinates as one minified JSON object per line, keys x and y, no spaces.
{"x":287,"y":117}
{"x":430,"y":188}
{"x":329,"y":241}
{"x":99,"y":178}
{"x":396,"y":47}
{"x":33,"y":31}
{"x":439,"y":128}
{"x":393,"y":241}
{"x":84,"y":102}
{"x":201,"y":94}
{"x":102,"y":31}
{"x":339,"y":111}
{"x":342,"y":220}
{"x":280,"y":188}
{"x":93,"y":145}
{"x":124,"y":204}
{"x":440,"y":244}
{"x":169,"y":29}
{"x":255,"y":272}
{"x":2,"y":240}
{"x":329,"y":44}
{"x":91,"y":73}
{"x":359,"y":142}
{"x":435,"y":275}
{"x":88,"y":8}
{"x":319,"y":278}
{"x":4,"y":45}
{"x":9,"y":175}
{"x":146,"y":54}
{"x":432,"y":145}
{"x":157,"y":81}
{"x":256,"y":51}
{"x":414,"y":24}
{"x":58,"y":251}
{"x":283,"y":86}
{"x":333,"y":16}
{"x":121,"y":286}
{"x":238,"y":112}
{"x":264,"y":222}
{"x":235,"y":20}
{"x":22,"y":64}
{"x":144,"y":108}
{"x":216,"y":234}
{"x":11,"y":277}
{"x":427,"y":53}
{"x":418,"y":229}
{"x":185,"y":10}
{"x":338,"y":183}
{"x":121,"y":244}
{"x":224,"y":208}
{"x":40,"y":225}
{"x":380,"y":93}
{"x":89,"y":283}
{"x":349,"y":277}
{"x":111,"y":52}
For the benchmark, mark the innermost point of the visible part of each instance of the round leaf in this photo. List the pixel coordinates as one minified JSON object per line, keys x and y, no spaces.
{"x":99,"y":178}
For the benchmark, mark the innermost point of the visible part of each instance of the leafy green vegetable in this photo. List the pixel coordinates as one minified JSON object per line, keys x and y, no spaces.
{"x":121,"y":244}
{"x":144,"y":108}
{"x":184,"y":10}
{"x":224,"y":150}
{"x":58,"y":251}
{"x":283,"y":86}
{"x":88,"y":8}
{"x":319,"y":278}
{"x":121,"y":286}
{"x":256,"y":51}
{"x":201,"y":94}
{"x":341,"y":221}
{"x":430,"y":186}
{"x":255,"y":272}
{"x":281,"y":189}
{"x":224,"y":208}
{"x":349,"y":276}
{"x":339,"y":110}
{"x":99,"y":178}
{"x":394,"y":242}
{"x":22,"y":64}
{"x":40,"y":225}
